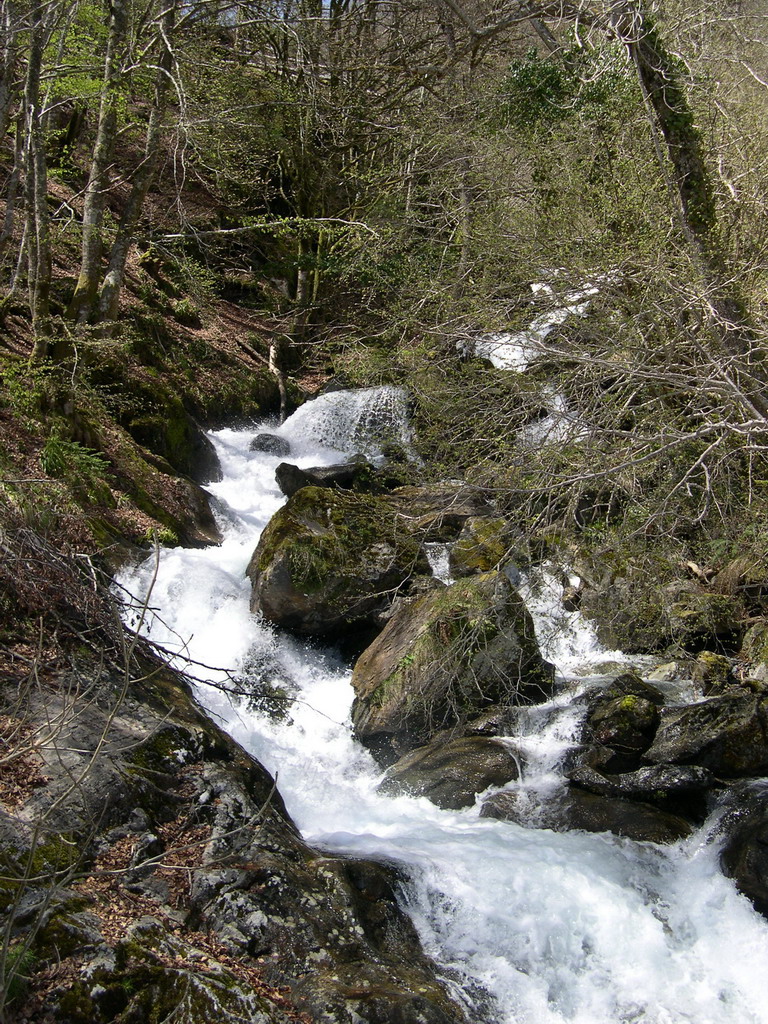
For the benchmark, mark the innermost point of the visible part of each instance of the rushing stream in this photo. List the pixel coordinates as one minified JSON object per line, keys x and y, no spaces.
{"x":552,"y":927}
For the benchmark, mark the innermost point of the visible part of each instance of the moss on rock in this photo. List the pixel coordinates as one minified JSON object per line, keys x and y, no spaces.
{"x":443,"y":659}
{"x":330,"y":559}
{"x":483,"y":545}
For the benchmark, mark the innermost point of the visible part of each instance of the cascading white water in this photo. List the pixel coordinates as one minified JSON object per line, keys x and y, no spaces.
{"x":352,"y":421}
{"x":517,"y":350}
{"x":553,"y":928}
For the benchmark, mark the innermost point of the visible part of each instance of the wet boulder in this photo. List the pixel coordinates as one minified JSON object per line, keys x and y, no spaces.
{"x":625,"y":724}
{"x":726,"y":734}
{"x":357,"y":474}
{"x":451,"y":773}
{"x":744,"y":854}
{"x":270,"y":444}
{"x":623,"y":718}
{"x":678,"y":788}
{"x":330,"y":560}
{"x":589,"y":812}
{"x":291,"y":478}
{"x":626,"y":684}
{"x":442,"y":660}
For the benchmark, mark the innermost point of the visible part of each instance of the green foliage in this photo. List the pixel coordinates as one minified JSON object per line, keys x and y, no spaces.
{"x":198,"y":283}
{"x":187,"y":312}
{"x":82,"y":468}
{"x":20,"y":964}
{"x":62,"y":458}
{"x":593,"y":85}
{"x":85,"y":35}
{"x":30,"y":388}
{"x":165,"y":536}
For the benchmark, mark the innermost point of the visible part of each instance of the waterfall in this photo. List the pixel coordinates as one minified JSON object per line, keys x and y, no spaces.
{"x":540,"y":927}
{"x":351,"y":421}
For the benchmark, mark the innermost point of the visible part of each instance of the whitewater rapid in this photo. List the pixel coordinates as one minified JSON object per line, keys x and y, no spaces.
{"x":531,"y":926}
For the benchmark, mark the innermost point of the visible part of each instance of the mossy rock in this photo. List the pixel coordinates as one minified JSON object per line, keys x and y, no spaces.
{"x":330,"y":560}
{"x":173,"y":434}
{"x":483,"y":544}
{"x":713,"y":672}
{"x":754,"y":650}
{"x":625,"y":724}
{"x":68,"y":930}
{"x":442,"y":660}
{"x":150,"y":407}
{"x":155,"y":976}
{"x":695,"y":618}
{"x":626,"y":684}
{"x":621,"y":720}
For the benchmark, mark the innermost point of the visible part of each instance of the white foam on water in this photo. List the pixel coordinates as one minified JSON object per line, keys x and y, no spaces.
{"x":517,"y":350}
{"x":567,"y":928}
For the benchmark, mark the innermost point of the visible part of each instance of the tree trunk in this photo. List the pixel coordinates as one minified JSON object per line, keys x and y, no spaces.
{"x":9,"y":28}
{"x":36,"y":193}
{"x":12,"y":189}
{"x":109,"y":296}
{"x":81,"y":307}
{"x":659,"y":76}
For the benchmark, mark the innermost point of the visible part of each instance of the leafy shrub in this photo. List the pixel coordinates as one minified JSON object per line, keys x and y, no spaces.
{"x":31,"y":388}
{"x":19,"y":965}
{"x":83,"y":468}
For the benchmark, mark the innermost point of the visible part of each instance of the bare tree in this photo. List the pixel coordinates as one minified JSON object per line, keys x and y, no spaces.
{"x":37,"y":228}
{"x":109,"y":295}
{"x":86,"y":290}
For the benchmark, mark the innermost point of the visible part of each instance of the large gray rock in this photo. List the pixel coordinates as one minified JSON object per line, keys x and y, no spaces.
{"x":442,"y":660}
{"x":726,"y":734}
{"x":270,"y":444}
{"x":677,"y":788}
{"x":452,"y":773}
{"x":625,"y":684}
{"x":329,"y":560}
{"x":204,"y":895}
{"x":626,"y":724}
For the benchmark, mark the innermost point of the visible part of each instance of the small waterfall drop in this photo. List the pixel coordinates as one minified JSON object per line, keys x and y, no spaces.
{"x":352,"y":421}
{"x":539,"y":927}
